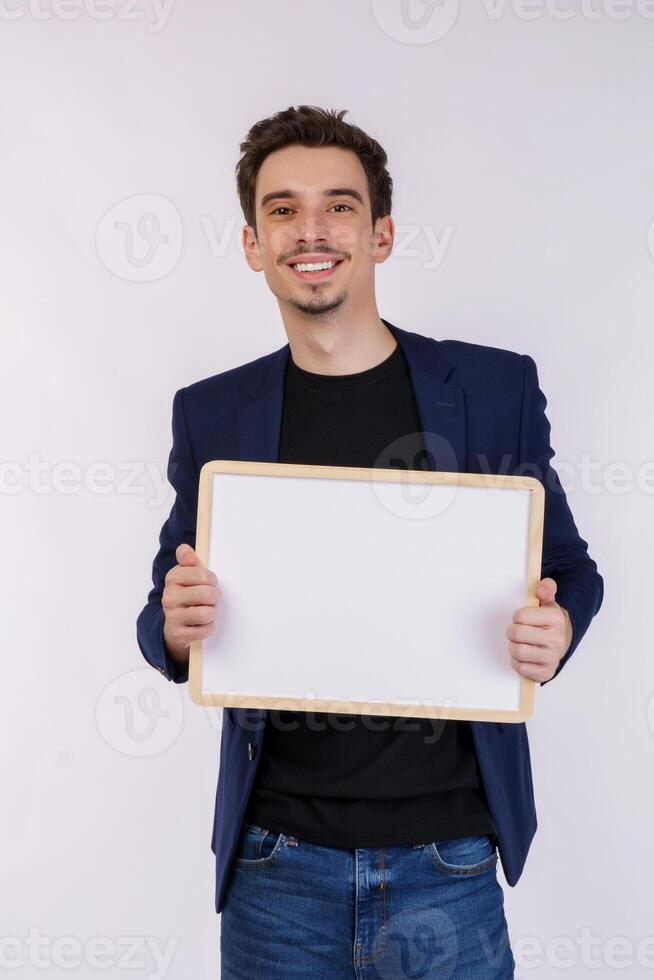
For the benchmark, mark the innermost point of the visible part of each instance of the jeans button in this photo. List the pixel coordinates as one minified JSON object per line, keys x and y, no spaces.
{"x":251,"y":751}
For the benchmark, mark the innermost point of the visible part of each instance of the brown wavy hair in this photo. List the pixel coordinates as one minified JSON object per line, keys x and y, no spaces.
{"x":309,"y":125}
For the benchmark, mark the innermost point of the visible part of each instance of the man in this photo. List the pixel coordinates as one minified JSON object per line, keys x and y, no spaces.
{"x":353,"y":845}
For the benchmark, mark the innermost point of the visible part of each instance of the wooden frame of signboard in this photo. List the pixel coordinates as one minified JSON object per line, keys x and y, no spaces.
{"x":258,"y":534}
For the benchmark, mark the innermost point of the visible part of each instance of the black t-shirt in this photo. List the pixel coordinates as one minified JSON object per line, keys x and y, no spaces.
{"x":346,"y":780}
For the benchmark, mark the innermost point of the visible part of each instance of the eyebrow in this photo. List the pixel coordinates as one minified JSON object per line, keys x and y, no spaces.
{"x":333,"y":192}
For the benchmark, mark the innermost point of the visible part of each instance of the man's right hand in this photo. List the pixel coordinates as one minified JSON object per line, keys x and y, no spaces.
{"x":189,"y":601}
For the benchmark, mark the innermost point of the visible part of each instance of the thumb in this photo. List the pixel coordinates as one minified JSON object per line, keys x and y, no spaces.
{"x":546,"y":591}
{"x":186,"y":555}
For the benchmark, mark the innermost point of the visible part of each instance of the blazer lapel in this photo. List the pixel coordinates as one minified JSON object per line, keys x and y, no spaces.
{"x":259,"y":423}
{"x":440,"y":404}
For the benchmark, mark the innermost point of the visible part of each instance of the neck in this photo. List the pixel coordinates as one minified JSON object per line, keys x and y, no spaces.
{"x":338,"y":342}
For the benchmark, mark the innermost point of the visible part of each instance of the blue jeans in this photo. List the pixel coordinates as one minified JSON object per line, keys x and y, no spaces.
{"x":295,"y":909}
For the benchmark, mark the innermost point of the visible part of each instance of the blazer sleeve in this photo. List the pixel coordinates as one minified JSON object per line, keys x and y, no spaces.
{"x":180,"y":527}
{"x":580,"y":587}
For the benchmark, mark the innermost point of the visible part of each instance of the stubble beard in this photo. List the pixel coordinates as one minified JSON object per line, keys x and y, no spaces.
{"x":319,"y":306}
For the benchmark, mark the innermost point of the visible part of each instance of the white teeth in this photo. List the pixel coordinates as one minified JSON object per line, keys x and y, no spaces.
{"x":313,"y":266}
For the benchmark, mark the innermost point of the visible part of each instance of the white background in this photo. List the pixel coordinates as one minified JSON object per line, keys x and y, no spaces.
{"x":522,"y":140}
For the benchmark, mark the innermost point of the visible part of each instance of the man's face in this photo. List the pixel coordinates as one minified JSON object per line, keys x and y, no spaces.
{"x":313,"y":206}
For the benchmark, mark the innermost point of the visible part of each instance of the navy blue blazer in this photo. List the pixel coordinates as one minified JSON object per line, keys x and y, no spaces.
{"x":481,"y":410}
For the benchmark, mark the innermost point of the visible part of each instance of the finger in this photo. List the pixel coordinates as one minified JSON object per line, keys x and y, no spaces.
{"x":186,"y":555}
{"x":542,"y":617}
{"x":525,"y":653}
{"x":191,"y":575}
{"x":187,"y":634}
{"x":196,"y":616}
{"x":530,"y":671}
{"x":526,"y":634}
{"x":195,"y":595}
{"x":546,"y":590}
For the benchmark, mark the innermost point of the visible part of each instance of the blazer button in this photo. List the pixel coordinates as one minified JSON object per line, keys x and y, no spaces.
{"x":251,"y":751}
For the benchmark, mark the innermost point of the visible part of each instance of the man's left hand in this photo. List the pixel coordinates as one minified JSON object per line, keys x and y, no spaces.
{"x":539,"y":636}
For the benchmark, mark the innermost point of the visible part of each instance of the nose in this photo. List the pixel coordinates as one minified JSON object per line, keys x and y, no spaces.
{"x":311,"y":228}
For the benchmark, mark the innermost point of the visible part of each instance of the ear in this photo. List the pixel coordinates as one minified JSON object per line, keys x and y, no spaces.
{"x":251,"y":248}
{"x":383,"y":238}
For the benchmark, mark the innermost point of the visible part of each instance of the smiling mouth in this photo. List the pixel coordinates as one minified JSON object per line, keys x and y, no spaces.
{"x":315,"y":271}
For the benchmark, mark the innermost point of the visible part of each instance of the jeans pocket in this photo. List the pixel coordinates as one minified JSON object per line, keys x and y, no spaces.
{"x":258,"y":847}
{"x":463,"y":856}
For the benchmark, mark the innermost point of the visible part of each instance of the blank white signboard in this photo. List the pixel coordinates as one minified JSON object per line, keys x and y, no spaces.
{"x":361,"y":590}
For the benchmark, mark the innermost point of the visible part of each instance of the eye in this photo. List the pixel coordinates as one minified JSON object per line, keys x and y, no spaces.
{"x":282,"y":207}
{"x":343,"y":206}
